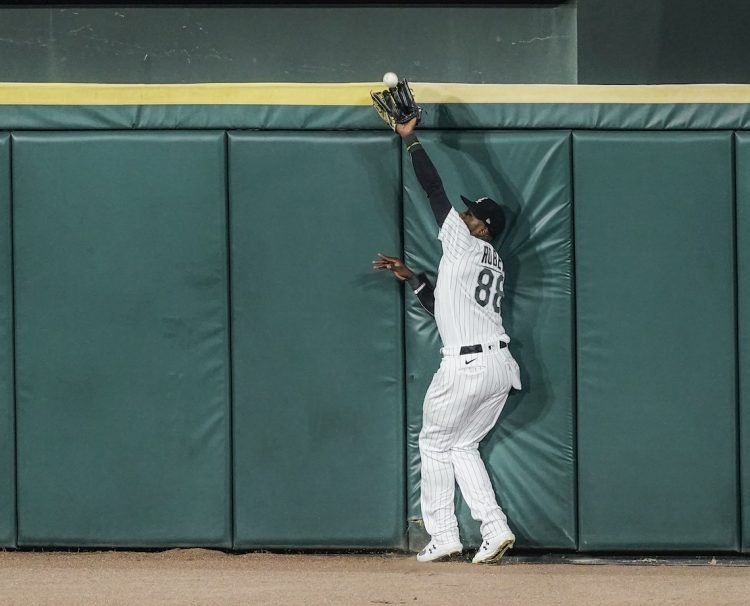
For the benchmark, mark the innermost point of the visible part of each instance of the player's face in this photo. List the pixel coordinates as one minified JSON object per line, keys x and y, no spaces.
{"x":477,"y":228}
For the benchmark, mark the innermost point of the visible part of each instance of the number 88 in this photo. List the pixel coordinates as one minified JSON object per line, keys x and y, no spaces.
{"x":482,"y":293}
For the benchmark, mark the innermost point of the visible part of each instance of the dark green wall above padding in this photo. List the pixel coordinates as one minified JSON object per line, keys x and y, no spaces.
{"x":663,"y":41}
{"x":291,"y":43}
{"x":574,"y":41}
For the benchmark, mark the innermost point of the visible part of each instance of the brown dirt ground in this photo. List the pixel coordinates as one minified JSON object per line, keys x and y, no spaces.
{"x":202,"y":576}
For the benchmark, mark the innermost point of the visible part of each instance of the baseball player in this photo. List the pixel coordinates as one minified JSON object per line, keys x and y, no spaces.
{"x":477,"y":371}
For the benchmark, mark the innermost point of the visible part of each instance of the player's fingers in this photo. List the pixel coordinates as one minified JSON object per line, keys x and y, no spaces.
{"x":388,"y":259}
{"x":388,"y":262}
{"x":391,"y":262}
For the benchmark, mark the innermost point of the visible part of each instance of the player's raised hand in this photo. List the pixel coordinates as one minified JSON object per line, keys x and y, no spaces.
{"x":404,"y":130}
{"x":394,"y":264}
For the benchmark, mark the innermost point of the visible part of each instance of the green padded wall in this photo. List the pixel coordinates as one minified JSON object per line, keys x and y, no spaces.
{"x":7,"y":421}
{"x":316,"y":340}
{"x":530,"y":453}
{"x":121,"y":342}
{"x":743,"y":306}
{"x":437,"y":116}
{"x":657,"y":406}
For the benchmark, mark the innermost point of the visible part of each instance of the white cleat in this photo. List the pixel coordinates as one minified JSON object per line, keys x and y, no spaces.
{"x":493,"y":549}
{"x":434,"y":552}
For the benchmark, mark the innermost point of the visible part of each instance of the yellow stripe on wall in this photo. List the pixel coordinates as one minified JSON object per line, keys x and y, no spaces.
{"x":358,"y":93}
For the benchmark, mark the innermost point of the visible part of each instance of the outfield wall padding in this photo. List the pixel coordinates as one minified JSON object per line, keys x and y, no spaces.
{"x":317,"y":341}
{"x":7,"y":416}
{"x":530,"y":455}
{"x":743,"y":316}
{"x":122,"y":339}
{"x":657,"y":401}
{"x":201,"y":355}
{"x":671,"y":114}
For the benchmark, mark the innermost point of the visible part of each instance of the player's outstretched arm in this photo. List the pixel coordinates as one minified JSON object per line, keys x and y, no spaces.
{"x":426,"y":172}
{"x":418,"y":282}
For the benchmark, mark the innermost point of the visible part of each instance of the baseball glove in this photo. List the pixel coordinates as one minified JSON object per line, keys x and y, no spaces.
{"x":396,"y":105}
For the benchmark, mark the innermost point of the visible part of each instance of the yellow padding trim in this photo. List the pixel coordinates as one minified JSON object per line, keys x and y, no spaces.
{"x":358,"y":93}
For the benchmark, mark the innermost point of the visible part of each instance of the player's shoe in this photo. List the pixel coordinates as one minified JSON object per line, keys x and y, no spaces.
{"x":492,"y":550}
{"x":434,"y":552}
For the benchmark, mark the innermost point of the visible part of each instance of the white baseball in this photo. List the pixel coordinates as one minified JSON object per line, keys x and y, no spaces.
{"x":390,"y":79}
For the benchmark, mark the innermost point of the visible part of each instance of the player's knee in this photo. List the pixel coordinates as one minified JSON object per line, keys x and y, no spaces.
{"x":465,"y":448}
{"x":425,"y":444}
{"x":429,"y":444}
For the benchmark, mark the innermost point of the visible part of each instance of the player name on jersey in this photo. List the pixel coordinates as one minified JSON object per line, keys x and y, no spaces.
{"x":491,"y":258}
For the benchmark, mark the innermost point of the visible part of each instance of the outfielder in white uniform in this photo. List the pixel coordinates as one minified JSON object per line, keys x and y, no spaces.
{"x":477,"y":372}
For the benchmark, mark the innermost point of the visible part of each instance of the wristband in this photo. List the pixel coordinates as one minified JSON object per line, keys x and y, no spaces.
{"x":411,"y":142}
{"x":414,"y":282}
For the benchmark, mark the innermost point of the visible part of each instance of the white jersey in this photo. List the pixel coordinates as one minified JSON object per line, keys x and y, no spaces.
{"x":469,"y":287}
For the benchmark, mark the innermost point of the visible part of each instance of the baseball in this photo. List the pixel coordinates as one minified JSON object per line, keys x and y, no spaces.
{"x":390,"y":79}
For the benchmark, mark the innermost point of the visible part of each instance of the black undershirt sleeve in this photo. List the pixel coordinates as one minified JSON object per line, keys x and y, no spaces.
{"x":428,"y":178}
{"x":425,"y":292}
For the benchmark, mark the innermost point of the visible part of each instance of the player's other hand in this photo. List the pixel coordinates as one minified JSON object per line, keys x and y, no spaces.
{"x":394,"y":264}
{"x":404,"y":130}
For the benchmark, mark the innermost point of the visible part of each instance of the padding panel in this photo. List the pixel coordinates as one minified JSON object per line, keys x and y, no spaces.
{"x":530,"y":453}
{"x":657,"y":404}
{"x":673,"y":109}
{"x":317,"y":340}
{"x":122,"y":339}
{"x":743,"y":306}
{"x":7,"y":420}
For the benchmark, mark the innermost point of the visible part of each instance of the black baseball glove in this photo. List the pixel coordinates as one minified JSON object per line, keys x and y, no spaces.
{"x":396,"y":105}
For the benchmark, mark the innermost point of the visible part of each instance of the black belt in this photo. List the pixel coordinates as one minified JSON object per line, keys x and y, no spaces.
{"x":472,"y":349}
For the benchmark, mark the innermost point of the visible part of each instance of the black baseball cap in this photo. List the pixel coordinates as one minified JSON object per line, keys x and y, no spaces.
{"x":488,"y":211}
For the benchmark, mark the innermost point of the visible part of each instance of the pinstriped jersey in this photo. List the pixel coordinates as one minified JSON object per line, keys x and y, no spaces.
{"x":469,"y":288}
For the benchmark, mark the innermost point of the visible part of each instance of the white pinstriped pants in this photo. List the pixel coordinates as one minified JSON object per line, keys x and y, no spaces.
{"x":462,"y":404}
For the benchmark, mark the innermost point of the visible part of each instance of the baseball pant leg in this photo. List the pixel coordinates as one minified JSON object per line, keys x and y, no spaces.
{"x":470,"y":471}
{"x":437,"y":486}
{"x":449,"y":399}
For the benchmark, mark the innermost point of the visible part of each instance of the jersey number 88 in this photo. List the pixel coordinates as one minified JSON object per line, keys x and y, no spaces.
{"x":483,"y":292}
